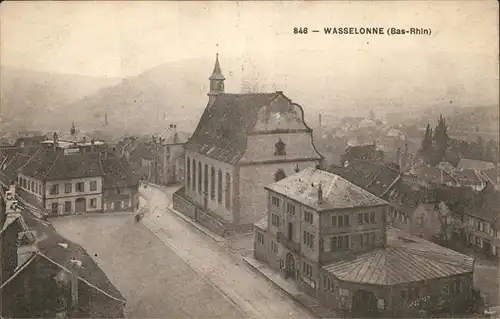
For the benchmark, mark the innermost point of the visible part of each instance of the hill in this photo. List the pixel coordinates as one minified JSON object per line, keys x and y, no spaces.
{"x":37,"y":100}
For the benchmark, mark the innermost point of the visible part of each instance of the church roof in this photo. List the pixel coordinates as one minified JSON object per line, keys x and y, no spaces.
{"x":338,"y":193}
{"x":53,"y":165}
{"x":222,"y":131}
{"x":405,"y":259}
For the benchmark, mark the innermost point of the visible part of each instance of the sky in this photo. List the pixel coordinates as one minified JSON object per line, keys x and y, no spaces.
{"x":121,"y":39}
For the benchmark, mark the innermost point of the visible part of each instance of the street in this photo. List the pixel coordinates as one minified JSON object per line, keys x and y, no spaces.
{"x":167,"y":268}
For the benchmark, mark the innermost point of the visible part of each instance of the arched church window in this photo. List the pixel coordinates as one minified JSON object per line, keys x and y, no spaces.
{"x":228,"y":191}
{"x":194,"y":175}
{"x":188,"y":173}
{"x":219,"y":187}
{"x":200,"y":176}
{"x":279,"y":175}
{"x":205,"y":180}
{"x":212,"y":183}
{"x":280,"y":148}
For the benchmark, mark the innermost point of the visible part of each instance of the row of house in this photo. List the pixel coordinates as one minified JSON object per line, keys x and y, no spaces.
{"x":71,"y":180}
{"x":159,"y":159}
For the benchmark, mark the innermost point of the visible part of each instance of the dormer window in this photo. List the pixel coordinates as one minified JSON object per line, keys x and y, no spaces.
{"x":280,"y":148}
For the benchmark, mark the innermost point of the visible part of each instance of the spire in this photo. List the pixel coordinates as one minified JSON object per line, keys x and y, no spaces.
{"x":73,"y":129}
{"x":217,"y":73}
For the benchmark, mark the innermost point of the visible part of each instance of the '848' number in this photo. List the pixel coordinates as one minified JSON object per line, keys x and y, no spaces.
{"x":302,"y":30}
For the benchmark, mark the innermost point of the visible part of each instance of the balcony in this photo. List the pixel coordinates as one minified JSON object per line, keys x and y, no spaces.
{"x":288,"y":243}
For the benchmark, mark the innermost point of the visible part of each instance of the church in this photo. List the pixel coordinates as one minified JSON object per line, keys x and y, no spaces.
{"x":242,"y":143}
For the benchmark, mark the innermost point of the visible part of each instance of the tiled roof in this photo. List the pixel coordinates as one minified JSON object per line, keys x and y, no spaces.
{"x":222,"y":131}
{"x":474,"y":164}
{"x":486,"y":204}
{"x":337,"y":192}
{"x":117,"y":173}
{"x":468,"y":175}
{"x":51,"y":165}
{"x":405,"y":259}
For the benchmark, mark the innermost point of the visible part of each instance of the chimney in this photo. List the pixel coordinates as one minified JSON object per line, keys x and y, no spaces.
{"x":398,"y":157}
{"x":320,"y":194}
{"x":75,"y":269}
{"x":55,"y":140}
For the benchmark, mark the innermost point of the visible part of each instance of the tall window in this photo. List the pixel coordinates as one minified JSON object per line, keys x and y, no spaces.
{"x":212,"y":183}
{"x":54,"y":189}
{"x":93,"y":185}
{"x":188,"y":173}
{"x":308,"y":239}
{"x":200,"y":175}
{"x":80,"y":187}
{"x":68,"y":188}
{"x":228,"y":191}
{"x":205,"y":180}
{"x":194,"y":175}
{"x":219,"y":187}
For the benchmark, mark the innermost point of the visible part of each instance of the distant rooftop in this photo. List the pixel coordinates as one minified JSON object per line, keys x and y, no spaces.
{"x":338,"y":193}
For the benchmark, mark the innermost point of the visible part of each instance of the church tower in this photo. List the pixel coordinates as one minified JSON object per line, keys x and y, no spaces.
{"x":216,"y":80}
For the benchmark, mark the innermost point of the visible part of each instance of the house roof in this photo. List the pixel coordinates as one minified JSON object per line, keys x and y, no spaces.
{"x":405,"y":259}
{"x":338,"y":193}
{"x":30,"y":140}
{"x":117,"y":173}
{"x":485,"y":205}
{"x":221,"y":133}
{"x":52,"y":165}
{"x":474,"y":164}
{"x":12,"y":165}
{"x":361,"y":151}
{"x":172,"y":136}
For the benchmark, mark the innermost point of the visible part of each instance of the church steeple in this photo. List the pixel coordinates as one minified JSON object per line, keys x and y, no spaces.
{"x":216,"y":79}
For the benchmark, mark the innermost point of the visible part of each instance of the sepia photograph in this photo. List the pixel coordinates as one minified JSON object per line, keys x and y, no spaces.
{"x":249,"y":159}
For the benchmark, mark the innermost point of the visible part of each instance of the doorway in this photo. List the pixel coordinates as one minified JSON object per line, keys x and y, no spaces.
{"x":364,"y":304}
{"x":80,"y":205}
{"x":290,"y":266}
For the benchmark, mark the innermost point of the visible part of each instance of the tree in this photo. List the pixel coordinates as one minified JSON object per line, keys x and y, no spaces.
{"x":427,"y":141}
{"x":441,"y":134}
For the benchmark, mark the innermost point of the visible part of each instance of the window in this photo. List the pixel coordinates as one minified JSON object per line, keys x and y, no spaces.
{"x":260,"y":238}
{"x":80,"y":187}
{"x":274,"y":246}
{"x":275,"y":201}
{"x":341,"y":221}
{"x":290,"y":209}
{"x":275,"y":220}
{"x":228,"y":191}
{"x":68,"y":188}
{"x":212,"y":183}
{"x":308,"y":271}
{"x":93,"y":185}
{"x":93,"y":203}
{"x":67,"y":206}
{"x":308,"y":239}
{"x":367,"y":239}
{"x":54,"y":189}
{"x":280,"y":148}
{"x":200,"y":175}
{"x":372,"y":217}
{"x":32,"y":186}
{"x":366,"y":219}
{"x":420,"y":219}
{"x":308,"y":217}
{"x":205,"y":180}
{"x":188,"y":173}
{"x":219,"y":187}
{"x":327,"y":283}
{"x":194,"y":175}
{"x":334,"y":221}
{"x":339,"y":243}
{"x":55,"y":208}
{"x":360,"y":218}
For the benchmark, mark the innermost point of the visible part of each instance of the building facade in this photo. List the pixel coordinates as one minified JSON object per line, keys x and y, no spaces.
{"x":332,"y":238}
{"x":242,"y":143}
